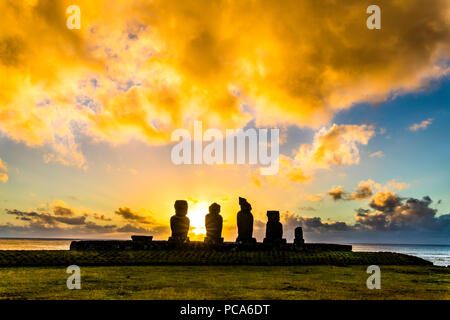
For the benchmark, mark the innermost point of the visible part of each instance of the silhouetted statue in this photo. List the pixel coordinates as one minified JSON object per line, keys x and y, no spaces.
{"x":299,"y":236}
{"x":179,"y":223}
{"x":274,"y":228}
{"x":245,"y":222}
{"x":213,"y":224}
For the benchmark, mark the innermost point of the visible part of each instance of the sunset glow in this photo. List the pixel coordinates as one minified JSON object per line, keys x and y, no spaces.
{"x":87,"y":117}
{"x":196,"y":215}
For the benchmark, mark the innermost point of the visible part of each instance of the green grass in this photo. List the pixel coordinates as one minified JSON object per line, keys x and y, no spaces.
{"x":202,"y":257}
{"x":209,"y":274}
{"x":225,"y":282}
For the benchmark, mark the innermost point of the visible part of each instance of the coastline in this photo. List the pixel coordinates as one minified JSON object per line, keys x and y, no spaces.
{"x":439,"y":254}
{"x":198,"y":257}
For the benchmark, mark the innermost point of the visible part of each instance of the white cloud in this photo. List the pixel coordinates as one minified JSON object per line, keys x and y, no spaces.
{"x":422,"y":125}
{"x":378,"y":154}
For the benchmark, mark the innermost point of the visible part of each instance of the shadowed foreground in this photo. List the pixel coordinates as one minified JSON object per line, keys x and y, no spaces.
{"x":226,"y":282}
{"x":202,"y":257}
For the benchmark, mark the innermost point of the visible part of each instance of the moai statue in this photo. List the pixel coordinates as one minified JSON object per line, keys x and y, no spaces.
{"x":213,"y":224}
{"x":245,"y":222}
{"x":299,"y":236}
{"x":274,"y":229}
{"x":179,"y":223}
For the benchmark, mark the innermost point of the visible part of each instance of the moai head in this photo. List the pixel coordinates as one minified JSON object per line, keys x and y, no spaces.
{"x":245,"y":206}
{"x":298,"y":233}
{"x":181,"y":208}
{"x":273,"y":216}
{"x":214,"y":208}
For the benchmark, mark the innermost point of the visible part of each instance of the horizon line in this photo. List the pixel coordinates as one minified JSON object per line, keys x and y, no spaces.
{"x":112,"y":239}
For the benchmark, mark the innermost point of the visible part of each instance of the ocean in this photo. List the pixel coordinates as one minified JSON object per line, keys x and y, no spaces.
{"x":35,"y":244}
{"x":438,"y":254}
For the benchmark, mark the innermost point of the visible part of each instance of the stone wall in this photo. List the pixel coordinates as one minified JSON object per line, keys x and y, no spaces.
{"x":193,"y":245}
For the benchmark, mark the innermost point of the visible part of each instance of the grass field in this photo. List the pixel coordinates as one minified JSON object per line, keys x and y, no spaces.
{"x":209,"y":274}
{"x":202,"y":257}
{"x":225,"y":282}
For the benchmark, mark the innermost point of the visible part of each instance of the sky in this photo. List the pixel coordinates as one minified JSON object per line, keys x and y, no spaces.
{"x":86,"y":117}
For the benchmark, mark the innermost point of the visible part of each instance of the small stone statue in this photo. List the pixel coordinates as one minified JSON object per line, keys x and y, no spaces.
{"x":179,"y":223}
{"x":245,"y":222}
{"x":274,"y":228}
{"x":299,"y":236}
{"x":213,"y":224}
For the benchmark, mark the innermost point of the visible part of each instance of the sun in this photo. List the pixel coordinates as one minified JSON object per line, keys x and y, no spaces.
{"x":196,"y":215}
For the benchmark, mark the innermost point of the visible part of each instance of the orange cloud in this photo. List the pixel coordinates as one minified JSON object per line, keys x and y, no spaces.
{"x":363,"y":191}
{"x":337,"y":193}
{"x":59,"y":219}
{"x":334,"y":146}
{"x":366,"y":189}
{"x":288,"y":173}
{"x":397,"y":185}
{"x":139,"y":69}
{"x":3,"y":171}
{"x":129,"y":215}
{"x":314,"y":197}
{"x":385,"y":200}
{"x":377,"y":154}
{"x":421,"y":126}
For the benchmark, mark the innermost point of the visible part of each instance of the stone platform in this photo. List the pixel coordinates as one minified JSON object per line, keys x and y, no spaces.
{"x":99,"y":245}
